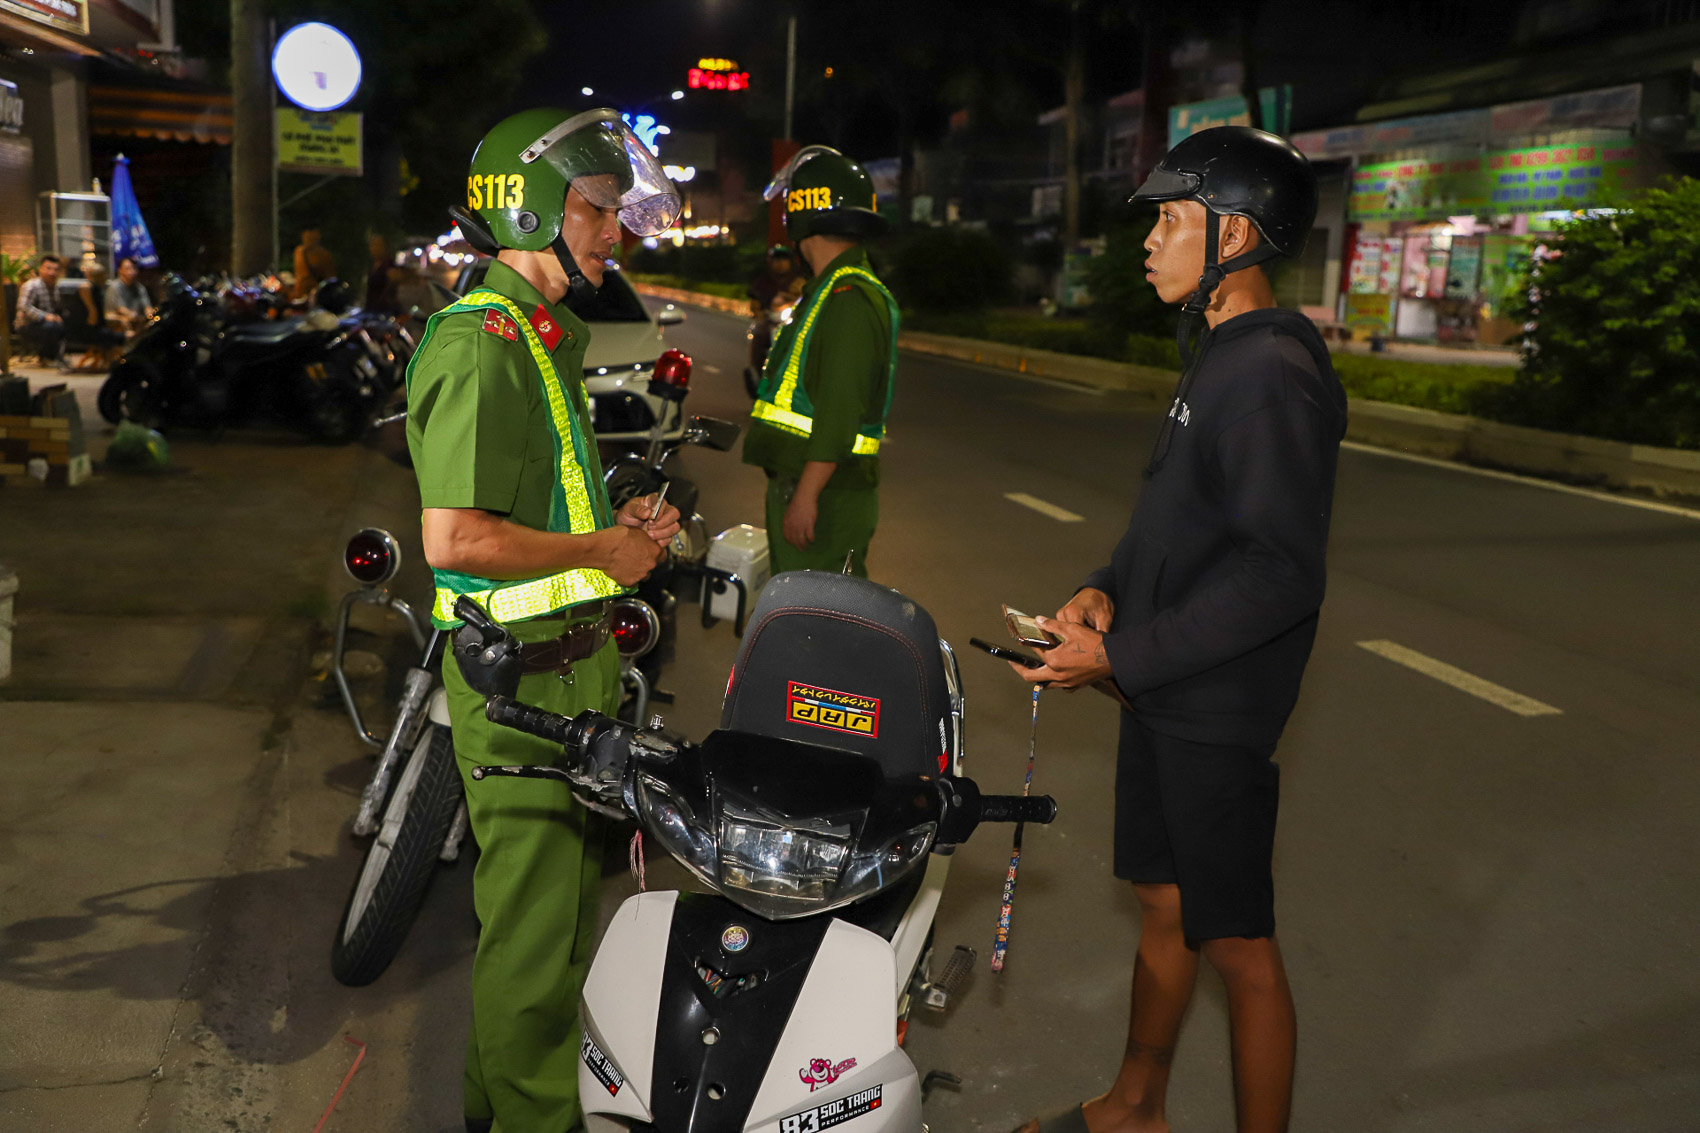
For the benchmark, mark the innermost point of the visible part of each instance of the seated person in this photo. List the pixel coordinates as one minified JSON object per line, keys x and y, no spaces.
{"x":102,"y":340}
{"x":41,"y":315}
{"x":128,"y":304}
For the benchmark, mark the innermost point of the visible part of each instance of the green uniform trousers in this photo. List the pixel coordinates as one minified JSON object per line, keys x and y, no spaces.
{"x":535,"y":891}
{"x":844,"y":525}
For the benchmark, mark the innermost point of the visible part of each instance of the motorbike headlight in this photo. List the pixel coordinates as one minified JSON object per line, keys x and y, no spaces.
{"x":781,"y":868}
{"x":868,"y":873}
{"x":676,"y":826}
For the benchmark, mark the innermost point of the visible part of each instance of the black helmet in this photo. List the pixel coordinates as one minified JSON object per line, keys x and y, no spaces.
{"x":1238,"y":171}
{"x":333,"y":295}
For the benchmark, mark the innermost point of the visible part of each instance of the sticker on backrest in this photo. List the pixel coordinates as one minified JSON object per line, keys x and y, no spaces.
{"x":840,"y":711}
{"x":602,"y":1066}
{"x":824,"y":1072}
{"x":828,"y":1114}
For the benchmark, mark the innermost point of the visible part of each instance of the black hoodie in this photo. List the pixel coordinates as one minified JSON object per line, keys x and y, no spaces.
{"x":1218,"y":581}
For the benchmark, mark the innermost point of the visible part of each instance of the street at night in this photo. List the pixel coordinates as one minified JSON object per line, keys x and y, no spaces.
{"x":1486,"y":915}
{"x":730,"y":566}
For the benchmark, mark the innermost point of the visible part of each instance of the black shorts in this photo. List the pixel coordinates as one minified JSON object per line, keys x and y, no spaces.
{"x":1200,"y":816}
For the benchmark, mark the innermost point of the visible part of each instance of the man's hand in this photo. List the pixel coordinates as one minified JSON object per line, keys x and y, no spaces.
{"x":1076,"y":660}
{"x":51,"y":319}
{"x":800,"y":515}
{"x":630,"y":554}
{"x":1090,"y":607}
{"x":661,"y":528}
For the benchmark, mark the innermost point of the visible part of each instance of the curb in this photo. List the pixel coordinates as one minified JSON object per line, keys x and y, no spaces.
{"x":1405,"y":428}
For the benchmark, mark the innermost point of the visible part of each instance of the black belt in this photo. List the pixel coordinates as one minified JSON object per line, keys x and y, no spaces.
{"x":594,"y":624}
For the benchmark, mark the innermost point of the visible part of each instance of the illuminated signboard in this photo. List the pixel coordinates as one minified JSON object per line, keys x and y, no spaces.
{"x":717,"y":74}
{"x":64,"y":15}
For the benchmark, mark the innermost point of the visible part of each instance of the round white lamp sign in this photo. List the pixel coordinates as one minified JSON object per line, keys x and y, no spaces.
{"x":316,"y":66}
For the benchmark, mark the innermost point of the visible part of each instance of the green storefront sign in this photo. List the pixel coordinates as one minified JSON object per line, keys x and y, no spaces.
{"x":1275,"y":104}
{"x":1542,"y":179}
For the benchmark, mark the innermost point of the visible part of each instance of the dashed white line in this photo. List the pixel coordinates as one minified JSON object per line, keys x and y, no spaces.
{"x":711,"y":369}
{"x":1459,"y":679}
{"x":1060,"y":514}
{"x":1531,"y":481}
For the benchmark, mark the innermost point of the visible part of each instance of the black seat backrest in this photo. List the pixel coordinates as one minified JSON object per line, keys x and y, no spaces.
{"x":843,"y":662}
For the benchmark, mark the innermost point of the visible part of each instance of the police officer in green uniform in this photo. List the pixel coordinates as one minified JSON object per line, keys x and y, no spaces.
{"x":516,"y":516}
{"x":821,"y":407}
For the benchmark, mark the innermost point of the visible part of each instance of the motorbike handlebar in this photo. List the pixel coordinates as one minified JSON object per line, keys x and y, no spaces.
{"x":545,"y":725}
{"x":1017,"y":808}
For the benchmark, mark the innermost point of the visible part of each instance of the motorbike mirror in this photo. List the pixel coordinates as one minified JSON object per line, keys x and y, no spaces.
{"x":669,"y":316}
{"x":711,"y":432}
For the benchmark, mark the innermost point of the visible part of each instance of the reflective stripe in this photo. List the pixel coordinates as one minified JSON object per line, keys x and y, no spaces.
{"x":793,"y":422}
{"x":520,"y":600}
{"x":778,"y":410}
{"x":534,"y":597}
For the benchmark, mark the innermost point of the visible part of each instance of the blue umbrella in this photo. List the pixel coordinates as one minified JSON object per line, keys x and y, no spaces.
{"x":129,"y":231}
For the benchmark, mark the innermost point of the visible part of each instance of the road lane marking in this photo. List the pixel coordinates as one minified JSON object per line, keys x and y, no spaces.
{"x":1531,"y":481}
{"x":1459,"y":679}
{"x":1060,"y":514}
{"x":711,"y":369}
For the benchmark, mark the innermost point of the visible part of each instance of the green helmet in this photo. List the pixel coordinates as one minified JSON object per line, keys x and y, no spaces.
{"x":517,"y":186}
{"x":826,"y":194}
{"x":139,"y":447}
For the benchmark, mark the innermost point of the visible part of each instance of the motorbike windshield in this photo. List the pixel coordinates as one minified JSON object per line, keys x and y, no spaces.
{"x":600,"y":156}
{"x":788,"y":829}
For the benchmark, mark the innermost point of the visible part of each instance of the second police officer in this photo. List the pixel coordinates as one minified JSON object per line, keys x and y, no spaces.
{"x":820,"y":411}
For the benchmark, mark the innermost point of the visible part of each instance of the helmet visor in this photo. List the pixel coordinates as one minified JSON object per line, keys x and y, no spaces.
{"x":1167,"y":185}
{"x":781,"y":183}
{"x":599,"y":155}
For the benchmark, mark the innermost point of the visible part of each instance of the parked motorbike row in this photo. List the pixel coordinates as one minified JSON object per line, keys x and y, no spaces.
{"x":223,"y":355}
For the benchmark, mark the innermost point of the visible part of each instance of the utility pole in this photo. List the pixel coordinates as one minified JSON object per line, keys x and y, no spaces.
{"x":251,"y":164}
{"x":790,"y":70}
{"x":1074,"y":89}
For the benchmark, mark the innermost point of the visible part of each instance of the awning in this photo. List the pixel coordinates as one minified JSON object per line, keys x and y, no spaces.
{"x":172,"y":115}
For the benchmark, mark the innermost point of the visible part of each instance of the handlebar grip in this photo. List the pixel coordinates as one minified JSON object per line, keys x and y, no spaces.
{"x":510,"y":713}
{"x":1015,"y":808}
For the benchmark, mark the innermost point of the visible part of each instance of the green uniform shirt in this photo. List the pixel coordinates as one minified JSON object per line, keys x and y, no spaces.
{"x":845,"y":377}
{"x":477,"y":415}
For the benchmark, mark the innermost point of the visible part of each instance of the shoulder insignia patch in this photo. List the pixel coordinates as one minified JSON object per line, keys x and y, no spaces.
{"x":501,"y":326}
{"x":547,"y":328}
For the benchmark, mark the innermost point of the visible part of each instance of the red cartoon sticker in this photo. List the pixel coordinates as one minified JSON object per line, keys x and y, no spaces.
{"x":824,"y":1072}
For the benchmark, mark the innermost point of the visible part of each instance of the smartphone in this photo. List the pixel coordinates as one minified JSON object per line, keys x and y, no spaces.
{"x":1026,"y":660}
{"x":1024,"y":629}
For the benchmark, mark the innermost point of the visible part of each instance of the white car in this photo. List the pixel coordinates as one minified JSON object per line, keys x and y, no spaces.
{"x":625,"y":341}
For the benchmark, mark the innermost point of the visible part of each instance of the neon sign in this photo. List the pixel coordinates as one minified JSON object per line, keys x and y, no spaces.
{"x":717,"y":74}
{"x":647,"y":129}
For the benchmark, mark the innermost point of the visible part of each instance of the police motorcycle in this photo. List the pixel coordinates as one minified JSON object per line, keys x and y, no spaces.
{"x":412,"y":807}
{"x":820,"y":817}
{"x":684,"y":574}
{"x":201,"y":365}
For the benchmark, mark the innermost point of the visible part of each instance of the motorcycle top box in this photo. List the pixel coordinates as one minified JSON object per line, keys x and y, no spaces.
{"x":778,"y":1001}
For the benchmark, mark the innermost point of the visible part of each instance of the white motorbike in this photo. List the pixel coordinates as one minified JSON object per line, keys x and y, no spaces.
{"x":821,"y":815}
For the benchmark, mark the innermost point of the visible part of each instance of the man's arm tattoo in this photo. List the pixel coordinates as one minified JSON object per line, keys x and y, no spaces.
{"x":1099,"y":656}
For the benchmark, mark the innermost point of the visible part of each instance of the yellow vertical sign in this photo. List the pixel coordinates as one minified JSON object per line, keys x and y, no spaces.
{"x":327,"y":144}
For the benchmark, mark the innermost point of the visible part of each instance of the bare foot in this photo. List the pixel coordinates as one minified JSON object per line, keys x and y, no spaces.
{"x":1108,"y":1115}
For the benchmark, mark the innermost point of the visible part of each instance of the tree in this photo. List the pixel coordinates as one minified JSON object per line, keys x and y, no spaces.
{"x":1615,"y":347}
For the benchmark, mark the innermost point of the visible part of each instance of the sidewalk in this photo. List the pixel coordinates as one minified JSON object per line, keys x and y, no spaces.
{"x":168,"y":799}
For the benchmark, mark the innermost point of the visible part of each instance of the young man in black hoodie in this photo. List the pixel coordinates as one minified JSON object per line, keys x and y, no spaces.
{"x":1205,"y":618}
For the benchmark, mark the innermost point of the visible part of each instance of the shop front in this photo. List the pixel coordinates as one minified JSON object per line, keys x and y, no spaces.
{"x":1439,"y":240}
{"x":1442,"y":213}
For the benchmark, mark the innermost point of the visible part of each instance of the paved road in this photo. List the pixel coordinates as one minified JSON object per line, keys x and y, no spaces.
{"x":1489,"y":917}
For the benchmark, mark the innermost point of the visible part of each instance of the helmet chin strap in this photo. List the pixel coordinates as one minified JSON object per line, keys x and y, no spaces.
{"x":1192,"y":312}
{"x":578,"y":287}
